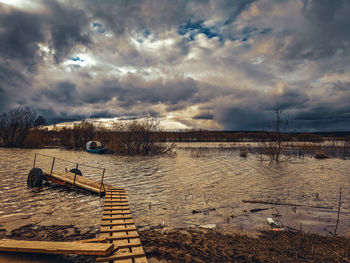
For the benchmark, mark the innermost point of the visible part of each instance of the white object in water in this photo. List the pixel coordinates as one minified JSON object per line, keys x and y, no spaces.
{"x":272,"y":222}
{"x":209,"y":226}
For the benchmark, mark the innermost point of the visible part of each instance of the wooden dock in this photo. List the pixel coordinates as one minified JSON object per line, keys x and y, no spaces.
{"x":119,"y":228}
{"x":70,"y":179}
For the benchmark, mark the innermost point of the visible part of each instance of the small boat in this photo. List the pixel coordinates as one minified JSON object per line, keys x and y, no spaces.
{"x":95,"y":147}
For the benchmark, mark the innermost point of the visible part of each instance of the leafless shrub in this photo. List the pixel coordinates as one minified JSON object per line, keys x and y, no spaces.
{"x":272,"y":145}
{"x":15,"y":125}
{"x":138,"y":137}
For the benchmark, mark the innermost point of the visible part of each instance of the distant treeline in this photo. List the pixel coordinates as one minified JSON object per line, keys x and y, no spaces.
{"x":21,"y":128}
{"x":77,"y":136}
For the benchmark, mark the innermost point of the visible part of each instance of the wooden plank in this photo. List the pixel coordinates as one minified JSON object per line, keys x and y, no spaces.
{"x":117,"y":256}
{"x":139,"y":249}
{"x":116,"y":224}
{"x":127,"y":243}
{"x":81,"y":181}
{"x":117,"y":221}
{"x":115,"y":205}
{"x":126,"y":212}
{"x":120,"y":198}
{"x":116,"y":202}
{"x":48,"y":247}
{"x":119,"y":202}
{"x":113,"y":199}
{"x":112,"y":217}
{"x":123,"y":237}
{"x":109,"y":229}
{"x":122,"y":208}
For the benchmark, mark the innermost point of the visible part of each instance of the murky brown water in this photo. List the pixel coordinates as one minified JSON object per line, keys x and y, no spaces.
{"x":168,"y":189}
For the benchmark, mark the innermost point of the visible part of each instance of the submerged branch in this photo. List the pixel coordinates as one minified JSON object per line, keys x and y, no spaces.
{"x":279,"y":203}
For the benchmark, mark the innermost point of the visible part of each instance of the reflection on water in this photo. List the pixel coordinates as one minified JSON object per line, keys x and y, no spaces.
{"x":182,"y":190}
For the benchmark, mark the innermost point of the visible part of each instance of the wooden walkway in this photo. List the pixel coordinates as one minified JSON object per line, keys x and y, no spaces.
{"x":119,"y":228}
{"x":72,"y":180}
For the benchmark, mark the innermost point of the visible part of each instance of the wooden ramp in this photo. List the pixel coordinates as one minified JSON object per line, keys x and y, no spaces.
{"x":119,"y":228}
{"x":73,"y":180}
{"x":46,"y":247}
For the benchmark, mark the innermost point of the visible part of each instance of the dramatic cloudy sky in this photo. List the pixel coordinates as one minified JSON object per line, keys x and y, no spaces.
{"x":210,"y":64}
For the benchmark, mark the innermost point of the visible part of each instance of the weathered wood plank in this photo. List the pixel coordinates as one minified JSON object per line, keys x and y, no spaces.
{"x":116,"y":199}
{"x":126,"y":212}
{"x":112,"y":203}
{"x":139,"y":249}
{"x":124,"y":237}
{"x":115,"y":206}
{"x":121,"y":235}
{"x":117,"y":256}
{"x":112,"y":217}
{"x":48,"y":247}
{"x":81,"y":182}
{"x":118,"y":202}
{"x":120,"y":208}
{"x":107,"y":223}
{"x":109,"y":229}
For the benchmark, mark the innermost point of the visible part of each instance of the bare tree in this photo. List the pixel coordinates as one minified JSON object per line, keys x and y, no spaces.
{"x":15,"y":125}
{"x":272,"y":146}
{"x":139,"y":137}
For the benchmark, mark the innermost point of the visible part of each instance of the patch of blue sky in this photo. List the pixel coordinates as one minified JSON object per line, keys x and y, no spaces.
{"x":248,"y":32}
{"x":98,"y":27}
{"x":266,"y":31}
{"x":144,"y":34}
{"x":77,"y":59}
{"x":194,"y":28}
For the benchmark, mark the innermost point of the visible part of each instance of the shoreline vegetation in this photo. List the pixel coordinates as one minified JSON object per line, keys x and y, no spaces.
{"x":20,"y":129}
{"x":146,"y":138}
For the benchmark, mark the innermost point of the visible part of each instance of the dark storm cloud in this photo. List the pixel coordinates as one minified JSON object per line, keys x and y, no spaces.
{"x":204,"y":116}
{"x":131,"y":91}
{"x":326,"y":31}
{"x":53,"y":117}
{"x":63,"y":92}
{"x":68,"y":28}
{"x":325,"y":118}
{"x":244,"y":119}
{"x":22,"y":33}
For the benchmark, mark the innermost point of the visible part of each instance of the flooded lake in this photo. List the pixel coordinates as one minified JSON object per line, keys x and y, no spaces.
{"x":197,"y":186}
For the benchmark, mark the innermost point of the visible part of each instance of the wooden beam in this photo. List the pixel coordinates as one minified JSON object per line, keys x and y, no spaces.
{"x":48,"y":247}
{"x":121,"y":256}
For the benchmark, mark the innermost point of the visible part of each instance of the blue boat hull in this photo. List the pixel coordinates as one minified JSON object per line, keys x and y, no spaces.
{"x":97,"y":151}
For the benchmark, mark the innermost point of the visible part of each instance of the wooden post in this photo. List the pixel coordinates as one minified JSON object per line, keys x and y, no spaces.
{"x":103,"y":175}
{"x":34,"y":160}
{"x":75,"y":174}
{"x":53,"y":162}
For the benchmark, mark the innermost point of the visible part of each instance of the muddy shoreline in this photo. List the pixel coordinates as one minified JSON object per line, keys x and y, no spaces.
{"x":205,"y":245}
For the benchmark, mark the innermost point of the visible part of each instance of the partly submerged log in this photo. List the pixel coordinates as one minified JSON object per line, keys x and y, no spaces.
{"x":280,"y":203}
